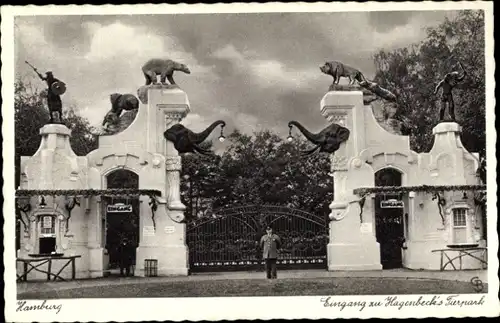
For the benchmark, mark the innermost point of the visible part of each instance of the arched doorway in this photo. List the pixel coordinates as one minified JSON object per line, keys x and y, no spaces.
{"x":389,"y":223}
{"x":122,"y":217}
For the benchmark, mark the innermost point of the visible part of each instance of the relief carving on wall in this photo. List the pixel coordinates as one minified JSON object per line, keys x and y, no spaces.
{"x":338,"y":211}
{"x":338,"y":163}
{"x":440,"y":162}
{"x":338,"y":118}
{"x":173,"y":163}
{"x":157,"y":159}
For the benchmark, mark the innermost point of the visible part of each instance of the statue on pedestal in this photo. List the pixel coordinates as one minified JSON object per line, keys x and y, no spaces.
{"x":163,"y":67}
{"x":378,"y":90}
{"x":187,"y":141}
{"x":327,"y":140}
{"x":447,"y":84}
{"x":115,"y":121}
{"x":55,"y":88}
{"x":338,"y":69}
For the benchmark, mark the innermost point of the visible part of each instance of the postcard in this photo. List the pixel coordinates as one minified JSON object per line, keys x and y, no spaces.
{"x":249,"y":161}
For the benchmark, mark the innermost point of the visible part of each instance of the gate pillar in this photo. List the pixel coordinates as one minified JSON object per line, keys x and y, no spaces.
{"x":352,"y":244}
{"x":164,"y":238}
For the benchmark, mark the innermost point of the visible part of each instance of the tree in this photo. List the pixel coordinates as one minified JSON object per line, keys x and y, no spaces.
{"x":31,"y":114}
{"x":412,"y":73}
{"x":259,"y":169}
{"x":199,"y":176}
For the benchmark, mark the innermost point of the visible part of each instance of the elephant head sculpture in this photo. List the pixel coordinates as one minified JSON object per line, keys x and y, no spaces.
{"x":187,"y":141}
{"x":327,"y":140}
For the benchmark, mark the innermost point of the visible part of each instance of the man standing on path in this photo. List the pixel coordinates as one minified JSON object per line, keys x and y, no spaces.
{"x":270,"y":243}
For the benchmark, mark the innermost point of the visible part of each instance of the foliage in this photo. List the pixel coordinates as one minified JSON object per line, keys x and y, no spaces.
{"x":259,"y":169}
{"x":199,"y":176}
{"x":121,"y":192}
{"x":422,"y":188}
{"x":413,"y":72}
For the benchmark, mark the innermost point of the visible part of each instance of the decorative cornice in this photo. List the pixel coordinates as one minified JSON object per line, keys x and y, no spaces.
{"x":422,"y":188}
{"x":173,"y":163}
{"x":89,"y":192}
{"x":338,"y":162}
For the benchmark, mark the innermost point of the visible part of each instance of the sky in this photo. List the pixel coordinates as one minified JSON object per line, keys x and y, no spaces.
{"x":254,"y":70}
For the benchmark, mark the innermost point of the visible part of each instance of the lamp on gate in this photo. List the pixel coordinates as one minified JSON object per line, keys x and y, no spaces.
{"x":290,"y":137}
{"x":221,"y":137}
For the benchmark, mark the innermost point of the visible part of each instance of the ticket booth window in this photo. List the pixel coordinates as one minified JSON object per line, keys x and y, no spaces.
{"x":47,"y":236}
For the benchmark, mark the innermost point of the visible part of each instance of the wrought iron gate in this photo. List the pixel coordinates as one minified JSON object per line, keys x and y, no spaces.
{"x":229,"y":240}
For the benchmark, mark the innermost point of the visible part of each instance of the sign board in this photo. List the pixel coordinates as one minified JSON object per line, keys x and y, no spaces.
{"x":169,"y":229}
{"x":392,"y":204}
{"x":366,"y":227}
{"x":148,"y":231}
{"x":47,"y":222}
{"x":119,"y":208}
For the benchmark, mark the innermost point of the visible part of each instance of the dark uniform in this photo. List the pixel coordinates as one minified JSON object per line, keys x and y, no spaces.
{"x":270,"y":243}
{"x":126,"y":255}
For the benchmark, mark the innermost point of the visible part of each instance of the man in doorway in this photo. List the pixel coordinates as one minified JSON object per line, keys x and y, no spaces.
{"x":270,"y":243}
{"x":125,"y":252}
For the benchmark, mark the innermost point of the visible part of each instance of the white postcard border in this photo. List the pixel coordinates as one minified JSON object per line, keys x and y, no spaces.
{"x":176,"y":309}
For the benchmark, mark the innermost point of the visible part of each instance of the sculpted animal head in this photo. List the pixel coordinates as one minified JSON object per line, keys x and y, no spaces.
{"x":113,"y":97}
{"x":187,"y":141}
{"x":184,"y":68}
{"x":111,"y":118}
{"x":120,"y":102}
{"x":327,"y":140}
{"x":326,"y":68}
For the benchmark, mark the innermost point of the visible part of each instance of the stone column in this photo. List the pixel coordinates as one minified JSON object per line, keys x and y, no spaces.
{"x":96,"y":249}
{"x":352,"y":244}
{"x":164,"y":239}
{"x":411,"y":216}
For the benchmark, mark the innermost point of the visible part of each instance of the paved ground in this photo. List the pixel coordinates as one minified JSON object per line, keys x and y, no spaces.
{"x":459,"y":276}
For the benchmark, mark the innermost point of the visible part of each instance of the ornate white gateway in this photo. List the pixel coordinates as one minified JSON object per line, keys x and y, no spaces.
{"x":59,"y":177}
{"x":434,"y":214}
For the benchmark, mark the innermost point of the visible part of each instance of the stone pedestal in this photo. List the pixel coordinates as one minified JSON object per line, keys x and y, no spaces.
{"x":352,"y":243}
{"x":449,"y":161}
{"x":163,"y":238}
{"x":55,"y":167}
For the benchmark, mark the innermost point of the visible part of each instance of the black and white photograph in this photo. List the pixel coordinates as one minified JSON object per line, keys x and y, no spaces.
{"x":249,"y":161}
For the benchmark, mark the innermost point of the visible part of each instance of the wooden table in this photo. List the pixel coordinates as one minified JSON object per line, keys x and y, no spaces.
{"x":30,"y":262}
{"x":462,"y":252}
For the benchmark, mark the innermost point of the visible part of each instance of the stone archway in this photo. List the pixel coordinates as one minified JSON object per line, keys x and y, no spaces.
{"x":122,"y":214}
{"x":389,"y":222}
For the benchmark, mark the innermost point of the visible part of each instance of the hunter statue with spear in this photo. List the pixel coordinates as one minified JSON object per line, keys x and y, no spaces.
{"x":447,"y":84}
{"x":54,"y":91}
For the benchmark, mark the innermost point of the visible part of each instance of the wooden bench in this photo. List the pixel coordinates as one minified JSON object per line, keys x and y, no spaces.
{"x":35,"y":263}
{"x":462,"y":252}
